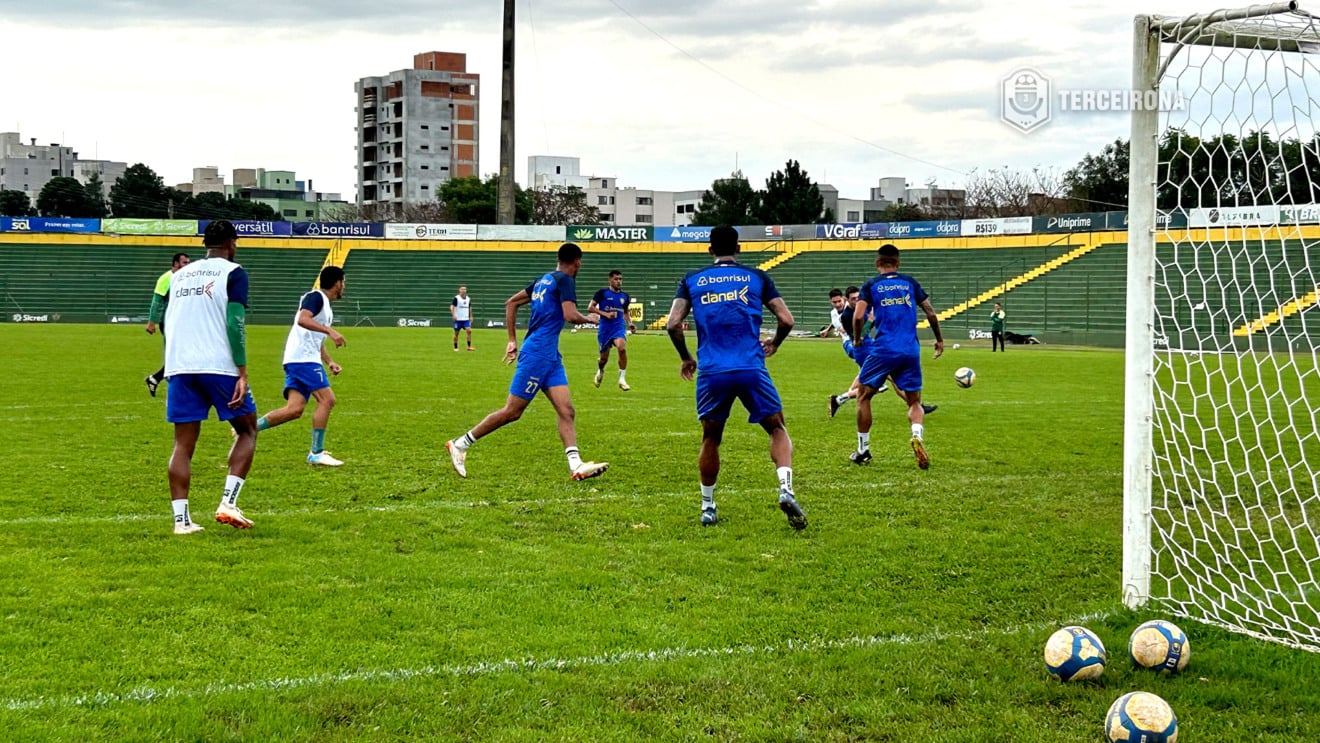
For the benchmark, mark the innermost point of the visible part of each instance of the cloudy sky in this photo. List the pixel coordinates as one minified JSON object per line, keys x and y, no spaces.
{"x":664,"y":94}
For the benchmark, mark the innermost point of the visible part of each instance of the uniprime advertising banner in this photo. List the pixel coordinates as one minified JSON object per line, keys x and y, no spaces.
{"x":608,"y":233}
{"x":1233,"y":216}
{"x":1085,"y":222}
{"x":853,"y":231}
{"x":180,"y":227}
{"x":685,"y":234}
{"x":338,"y":229}
{"x":49,"y":224}
{"x":253,"y":228}
{"x":996,"y":226}
{"x":403,"y":231}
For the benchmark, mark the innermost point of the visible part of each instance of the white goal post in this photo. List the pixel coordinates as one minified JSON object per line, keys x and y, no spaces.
{"x":1221,"y":454}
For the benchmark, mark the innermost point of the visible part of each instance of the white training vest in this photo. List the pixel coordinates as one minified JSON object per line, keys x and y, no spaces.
{"x":303,"y":345}
{"x":462,"y":307}
{"x":836,"y":319}
{"x":196,"y":318}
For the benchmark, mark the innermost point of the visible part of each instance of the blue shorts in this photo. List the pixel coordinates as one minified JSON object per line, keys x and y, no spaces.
{"x":535,"y":373}
{"x":191,"y":397}
{"x":854,"y":353}
{"x":716,"y":393}
{"x":305,"y":377}
{"x":904,"y":369}
{"x":607,"y":339}
{"x":462,"y":325}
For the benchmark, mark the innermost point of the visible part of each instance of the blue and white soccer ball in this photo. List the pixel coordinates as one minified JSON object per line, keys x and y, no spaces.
{"x":1159,"y":646}
{"x":1141,"y":717}
{"x":965,"y":377}
{"x":1074,"y":653}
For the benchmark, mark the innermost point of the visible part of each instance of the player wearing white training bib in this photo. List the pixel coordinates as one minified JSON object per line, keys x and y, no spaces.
{"x":304,"y":353}
{"x":460,"y":308}
{"x":206,"y":364}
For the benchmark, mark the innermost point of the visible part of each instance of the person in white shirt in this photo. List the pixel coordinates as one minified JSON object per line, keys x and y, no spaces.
{"x":304,"y":354}
{"x":461,"y":310}
{"x":206,"y":365}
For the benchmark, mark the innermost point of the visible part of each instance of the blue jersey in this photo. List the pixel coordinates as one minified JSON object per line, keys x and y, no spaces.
{"x":548,"y":294}
{"x":611,"y":301}
{"x":726,"y":301}
{"x":893,"y":299}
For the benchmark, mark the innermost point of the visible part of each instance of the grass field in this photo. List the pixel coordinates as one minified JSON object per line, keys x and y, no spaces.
{"x":390,"y":600}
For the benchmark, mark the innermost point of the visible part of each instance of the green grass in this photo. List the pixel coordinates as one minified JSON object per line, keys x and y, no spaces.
{"x":390,"y":600}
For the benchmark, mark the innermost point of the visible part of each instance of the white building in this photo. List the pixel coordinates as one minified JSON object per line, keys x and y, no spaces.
{"x":938,"y":202}
{"x":29,"y":167}
{"x":625,"y":206}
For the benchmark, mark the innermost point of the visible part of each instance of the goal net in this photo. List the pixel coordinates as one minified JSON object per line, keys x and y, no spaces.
{"x":1222,"y":446}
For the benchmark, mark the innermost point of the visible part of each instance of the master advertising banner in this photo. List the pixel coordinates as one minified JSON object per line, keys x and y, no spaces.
{"x":608,"y":233}
{"x":404,"y":231}
{"x":49,"y":224}
{"x":179,"y":227}
{"x":338,"y":229}
{"x":253,"y":228}
{"x":853,"y":231}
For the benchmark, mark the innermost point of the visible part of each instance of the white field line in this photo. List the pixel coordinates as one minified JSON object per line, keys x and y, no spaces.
{"x":151,"y":694}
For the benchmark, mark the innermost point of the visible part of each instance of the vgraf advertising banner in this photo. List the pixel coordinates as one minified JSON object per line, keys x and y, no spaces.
{"x":253,"y":228}
{"x":996,"y":226}
{"x":431,"y":231}
{"x":1233,"y":216}
{"x":1085,"y":222}
{"x":179,"y":227}
{"x":607,"y":233}
{"x":338,"y":229}
{"x":940,"y":228}
{"x":852,"y":231}
{"x":49,"y":224}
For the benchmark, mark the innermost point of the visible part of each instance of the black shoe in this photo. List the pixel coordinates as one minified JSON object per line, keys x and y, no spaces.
{"x":860,"y":457}
{"x":152,"y":384}
{"x":834,"y":406}
{"x":929,"y":408}
{"x":789,"y":505}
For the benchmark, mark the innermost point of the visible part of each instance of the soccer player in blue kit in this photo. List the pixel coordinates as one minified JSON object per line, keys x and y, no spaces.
{"x":553,"y":298}
{"x":726,"y":300}
{"x":892,"y":350}
{"x":611,"y":305}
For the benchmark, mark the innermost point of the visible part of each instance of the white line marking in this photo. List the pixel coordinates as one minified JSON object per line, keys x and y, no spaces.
{"x":150,"y":694}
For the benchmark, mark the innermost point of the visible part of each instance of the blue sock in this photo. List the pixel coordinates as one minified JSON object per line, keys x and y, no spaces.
{"x":318,"y":440}
{"x":262,"y":423}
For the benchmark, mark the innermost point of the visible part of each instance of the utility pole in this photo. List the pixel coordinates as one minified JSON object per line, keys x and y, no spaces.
{"x":504,"y":205}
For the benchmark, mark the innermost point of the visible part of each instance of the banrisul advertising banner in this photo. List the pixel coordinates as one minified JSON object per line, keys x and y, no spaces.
{"x":179,"y":227}
{"x":1233,"y":216}
{"x":607,"y":233}
{"x":1085,"y":222}
{"x":338,"y":229}
{"x":996,"y":226}
{"x":937,"y":228}
{"x":49,"y":224}
{"x":430,"y":231}
{"x":852,"y":231}
{"x":686,"y":234}
{"x":253,"y":228}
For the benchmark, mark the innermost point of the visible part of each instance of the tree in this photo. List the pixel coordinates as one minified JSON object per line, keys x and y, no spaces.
{"x":1005,"y":192}
{"x":790,"y":197}
{"x":903,"y":213}
{"x":728,"y":201}
{"x":1100,"y":182}
{"x":95,"y":189}
{"x":64,"y":197}
{"x":15,"y":204}
{"x":139,"y":192}
{"x":471,"y":200}
{"x":562,"y":205}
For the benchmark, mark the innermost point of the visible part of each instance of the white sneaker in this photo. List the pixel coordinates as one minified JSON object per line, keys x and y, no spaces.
{"x":323,"y":458}
{"x":188,"y":528}
{"x":624,"y":386}
{"x":458,"y":457}
{"x":588,"y":470}
{"x":600,"y":375}
{"x":226,"y":514}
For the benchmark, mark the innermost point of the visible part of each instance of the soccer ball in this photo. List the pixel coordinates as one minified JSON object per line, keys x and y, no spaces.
{"x":1074,"y":653}
{"x":1141,"y":717}
{"x":965,"y":377}
{"x":1159,"y":646}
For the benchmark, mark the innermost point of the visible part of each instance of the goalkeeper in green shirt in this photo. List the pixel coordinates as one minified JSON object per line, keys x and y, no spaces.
{"x":997,"y":328}
{"x":156,"y":315}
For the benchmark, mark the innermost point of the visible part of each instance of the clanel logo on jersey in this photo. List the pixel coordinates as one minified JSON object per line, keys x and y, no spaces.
{"x":739,"y":295}
{"x":906,"y":299}
{"x":196,"y":291}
